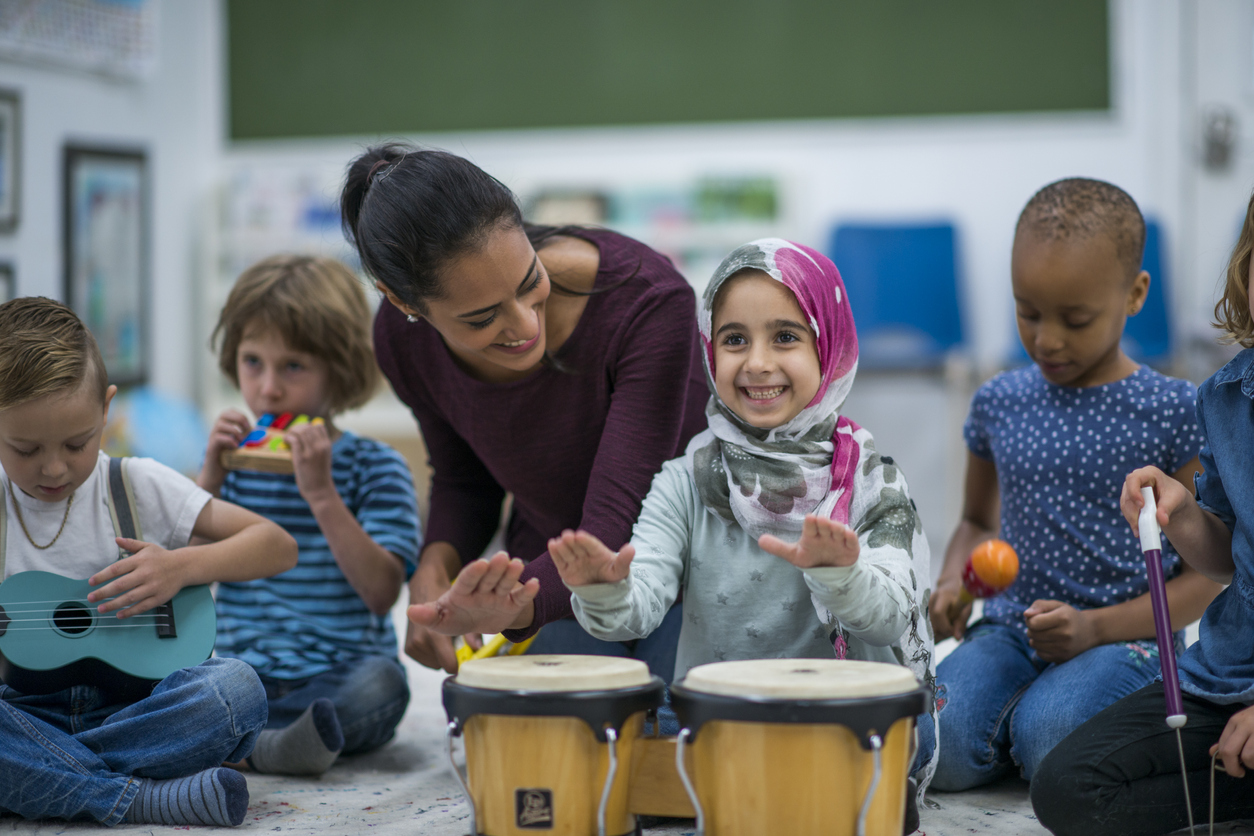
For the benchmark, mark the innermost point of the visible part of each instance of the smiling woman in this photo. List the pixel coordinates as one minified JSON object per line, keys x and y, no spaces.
{"x":560,"y":365}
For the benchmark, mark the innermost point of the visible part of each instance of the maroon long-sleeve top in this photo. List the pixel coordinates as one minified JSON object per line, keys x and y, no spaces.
{"x":577,"y":448}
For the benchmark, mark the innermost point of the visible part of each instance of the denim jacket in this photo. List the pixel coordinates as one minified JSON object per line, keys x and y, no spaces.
{"x":1220,"y":665}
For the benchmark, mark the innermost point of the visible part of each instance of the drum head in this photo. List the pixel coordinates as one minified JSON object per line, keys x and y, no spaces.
{"x":800,"y":679}
{"x":553,"y":674}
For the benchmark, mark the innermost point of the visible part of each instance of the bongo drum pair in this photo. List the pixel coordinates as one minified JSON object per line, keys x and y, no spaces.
{"x":795,"y":746}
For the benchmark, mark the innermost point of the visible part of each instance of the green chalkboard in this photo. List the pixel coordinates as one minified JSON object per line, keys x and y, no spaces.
{"x":343,"y":67}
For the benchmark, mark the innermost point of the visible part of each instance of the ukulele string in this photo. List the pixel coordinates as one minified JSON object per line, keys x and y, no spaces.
{"x":96,"y":627}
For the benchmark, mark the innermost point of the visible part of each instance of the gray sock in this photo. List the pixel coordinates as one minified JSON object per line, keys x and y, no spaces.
{"x":307,"y":747}
{"x":213,"y":797}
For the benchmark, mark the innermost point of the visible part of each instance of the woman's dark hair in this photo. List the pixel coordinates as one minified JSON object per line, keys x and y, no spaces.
{"x":409,"y":210}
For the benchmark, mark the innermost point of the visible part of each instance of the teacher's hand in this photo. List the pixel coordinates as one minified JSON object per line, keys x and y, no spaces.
{"x":427,"y":648}
{"x":485,"y":598}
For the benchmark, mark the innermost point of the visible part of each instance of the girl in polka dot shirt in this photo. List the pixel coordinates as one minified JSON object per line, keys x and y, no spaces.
{"x":1049,"y":446}
{"x":1121,"y":765}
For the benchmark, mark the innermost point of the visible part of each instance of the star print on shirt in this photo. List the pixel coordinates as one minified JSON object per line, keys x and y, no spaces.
{"x":722,"y":599}
{"x":755,"y":575}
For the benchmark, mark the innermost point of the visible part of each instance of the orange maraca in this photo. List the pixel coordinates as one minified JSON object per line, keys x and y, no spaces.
{"x":990,"y":570}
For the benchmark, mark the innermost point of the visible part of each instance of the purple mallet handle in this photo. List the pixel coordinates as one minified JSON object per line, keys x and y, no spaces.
{"x":1151,"y":544}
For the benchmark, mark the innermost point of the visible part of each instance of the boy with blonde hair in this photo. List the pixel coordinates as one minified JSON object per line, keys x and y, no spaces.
{"x":78,"y":753}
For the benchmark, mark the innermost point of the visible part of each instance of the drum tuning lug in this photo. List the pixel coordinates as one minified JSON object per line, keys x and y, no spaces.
{"x":451,"y":731}
{"x":682,"y":769}
{"x":611,"y":739}
{"x":876,"y":745}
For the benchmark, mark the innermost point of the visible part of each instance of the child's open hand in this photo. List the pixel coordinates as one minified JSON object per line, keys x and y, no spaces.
{"x":485,"y":598}
{"x":311,"y":460}
{"x":150,"y":577}
{"x":228,"y":431}
{"x":1236,"y":744}
{"x":1169,"y":496}
{"x":582,"y":559}
{"x":823,"y":542}
{"x":1058,"y":631}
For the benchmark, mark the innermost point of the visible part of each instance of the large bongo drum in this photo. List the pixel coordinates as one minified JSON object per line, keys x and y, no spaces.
{"x":798,"y":746}
{"x":549,"y":741}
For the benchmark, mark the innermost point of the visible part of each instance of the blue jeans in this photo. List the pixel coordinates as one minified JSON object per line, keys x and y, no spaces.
{"x":370,"y":696}
{"x":1001,"y":706}
{"x":71,"y":756}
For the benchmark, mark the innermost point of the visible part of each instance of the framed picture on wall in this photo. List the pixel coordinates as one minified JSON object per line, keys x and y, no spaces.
{"x":8,"y":282}
{"x":10,"y":158}
{"x":106,"y":253}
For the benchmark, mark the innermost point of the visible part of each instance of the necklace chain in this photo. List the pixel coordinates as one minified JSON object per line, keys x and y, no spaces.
{"x":18,"y":508}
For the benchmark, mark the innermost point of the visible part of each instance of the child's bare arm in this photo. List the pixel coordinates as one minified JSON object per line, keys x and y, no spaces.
{"x":981,"y":509}
{"x":1060,"y":632}
{"x":373,"y":572}
{"x":241,"y":546}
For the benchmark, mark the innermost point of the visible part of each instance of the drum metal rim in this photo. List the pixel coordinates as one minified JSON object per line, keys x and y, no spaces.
{"x":864,"y":716}
{"x":599,"y":709}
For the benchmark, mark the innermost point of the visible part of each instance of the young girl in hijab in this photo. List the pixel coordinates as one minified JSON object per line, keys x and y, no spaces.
{"x":788,"y":533}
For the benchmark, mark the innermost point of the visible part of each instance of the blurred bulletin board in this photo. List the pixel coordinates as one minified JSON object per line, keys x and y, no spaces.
{"x":339,"y":67}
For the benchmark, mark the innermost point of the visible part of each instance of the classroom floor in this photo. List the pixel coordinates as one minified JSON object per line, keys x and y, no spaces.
{"x":406,"y":788}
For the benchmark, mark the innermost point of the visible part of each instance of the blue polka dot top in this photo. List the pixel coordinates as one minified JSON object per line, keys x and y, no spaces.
{"x":1062,"y":454}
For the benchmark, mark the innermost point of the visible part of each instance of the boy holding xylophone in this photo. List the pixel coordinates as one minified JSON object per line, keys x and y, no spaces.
{"x":1049,"y":445}
{"x":296,"y":339}
{"x":79,"y":753}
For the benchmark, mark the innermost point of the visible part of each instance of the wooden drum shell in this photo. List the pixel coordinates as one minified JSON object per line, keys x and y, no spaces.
{"x":756,"y":778}
{"x":505,"y":754}
{"x":787,"y":746}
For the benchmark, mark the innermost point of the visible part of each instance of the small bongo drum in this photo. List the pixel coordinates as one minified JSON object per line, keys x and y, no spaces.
{"x":798,"y":746}
{"x":544,"y":739}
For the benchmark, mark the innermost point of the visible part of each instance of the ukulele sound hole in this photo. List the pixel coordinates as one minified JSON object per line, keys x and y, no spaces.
{"x":72,"y":618}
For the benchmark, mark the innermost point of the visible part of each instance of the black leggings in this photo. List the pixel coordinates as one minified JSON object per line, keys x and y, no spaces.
{"x":1119,"y":773}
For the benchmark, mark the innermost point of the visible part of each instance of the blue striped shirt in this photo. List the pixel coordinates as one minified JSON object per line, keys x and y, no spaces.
{"x":309,"y":619}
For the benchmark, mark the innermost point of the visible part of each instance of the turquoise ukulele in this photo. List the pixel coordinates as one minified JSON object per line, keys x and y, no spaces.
{"x":52,"y":638}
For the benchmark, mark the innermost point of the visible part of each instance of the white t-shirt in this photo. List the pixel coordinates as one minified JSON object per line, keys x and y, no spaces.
{"x":167,"y":504}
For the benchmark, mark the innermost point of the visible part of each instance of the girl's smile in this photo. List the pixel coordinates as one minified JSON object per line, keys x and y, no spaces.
{"x":766,"y":365}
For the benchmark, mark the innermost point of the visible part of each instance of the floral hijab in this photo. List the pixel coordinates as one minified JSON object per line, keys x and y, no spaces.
{"x":768,"y":480}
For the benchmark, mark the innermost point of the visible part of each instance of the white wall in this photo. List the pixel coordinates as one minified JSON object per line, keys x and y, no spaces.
{"x":176,"y":114}
{"x":977,"y":170}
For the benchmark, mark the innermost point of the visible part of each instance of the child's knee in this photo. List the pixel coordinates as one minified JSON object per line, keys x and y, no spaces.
{"x":239,"y":693}
{"x":1057,"y":793}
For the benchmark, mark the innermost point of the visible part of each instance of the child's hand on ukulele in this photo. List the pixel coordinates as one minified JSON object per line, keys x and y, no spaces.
{"x":150,"y":577}
{"x":1170,"y":496}
{"x":1058,"y":631}
{"x":582,"y":559}
{"x":228,"y":431}
{"x":824,"y":542}
{"x":311,"y":460}
{"x":1236,"y":744}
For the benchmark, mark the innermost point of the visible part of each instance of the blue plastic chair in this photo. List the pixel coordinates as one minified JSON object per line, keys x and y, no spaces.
{"x":903,"y":285}
{"x":1147,"y":337}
